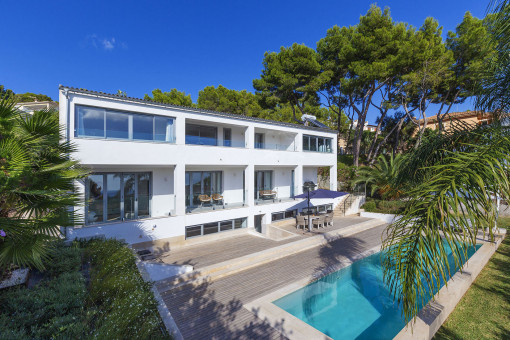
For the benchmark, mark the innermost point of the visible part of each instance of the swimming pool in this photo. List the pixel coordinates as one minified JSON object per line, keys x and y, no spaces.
{"x":352,"y":303}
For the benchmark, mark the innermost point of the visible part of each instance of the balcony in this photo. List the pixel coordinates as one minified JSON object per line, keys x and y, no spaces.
{"x":214,"y":135}
{"x":201,"y":203}
{"x":274,"y":140}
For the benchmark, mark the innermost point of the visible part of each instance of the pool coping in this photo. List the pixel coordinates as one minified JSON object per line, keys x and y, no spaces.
{"x":435,"y":313}
{"x":289,"y":325}
{"x":428,"y":321}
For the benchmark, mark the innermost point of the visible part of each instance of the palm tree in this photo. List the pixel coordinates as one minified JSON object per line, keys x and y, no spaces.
{"x":495,"y":93}
{"x":382,"y":176}
{"x":454,"y":177}
{"x":36,"y":184}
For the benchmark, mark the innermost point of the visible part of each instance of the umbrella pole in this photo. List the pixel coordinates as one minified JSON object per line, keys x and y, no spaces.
{"x":309,"y":221}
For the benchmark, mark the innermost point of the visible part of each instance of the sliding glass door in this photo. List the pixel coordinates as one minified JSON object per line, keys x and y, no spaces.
{"x":202,"y":183}
{"x":117,"y":197}
{"x":263,"y":181}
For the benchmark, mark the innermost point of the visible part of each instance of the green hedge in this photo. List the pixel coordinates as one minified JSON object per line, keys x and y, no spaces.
{"x":126,"y":308}
{"x":116,"y":304}
{"x":384,"y":207}
{"x":55,"y":308}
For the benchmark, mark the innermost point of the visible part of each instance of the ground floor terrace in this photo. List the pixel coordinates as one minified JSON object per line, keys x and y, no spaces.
{"x":179,"y":202}
{"x":215,"y":308}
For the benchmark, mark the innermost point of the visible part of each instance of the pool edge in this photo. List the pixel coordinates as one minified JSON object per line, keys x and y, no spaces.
{"x":435,"y":313}
{"x":286,"y":323}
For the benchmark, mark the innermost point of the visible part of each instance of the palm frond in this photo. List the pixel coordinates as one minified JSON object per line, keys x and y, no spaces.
{"x":450,"y":205}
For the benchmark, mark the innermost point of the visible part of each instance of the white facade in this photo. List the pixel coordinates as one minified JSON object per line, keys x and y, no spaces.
{"x":237,"y":162}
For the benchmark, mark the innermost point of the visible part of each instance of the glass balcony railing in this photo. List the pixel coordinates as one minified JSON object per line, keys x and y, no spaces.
{"x":278,"y":147}
{"x":217,"y":201}
{"x":275,"y":195}
{"x":194,"y":140}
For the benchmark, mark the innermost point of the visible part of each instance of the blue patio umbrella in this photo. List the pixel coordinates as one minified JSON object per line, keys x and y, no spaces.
{"x":322,"y":193}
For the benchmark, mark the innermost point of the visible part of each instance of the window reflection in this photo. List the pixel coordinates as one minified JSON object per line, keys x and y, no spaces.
{"x":91,"y":122}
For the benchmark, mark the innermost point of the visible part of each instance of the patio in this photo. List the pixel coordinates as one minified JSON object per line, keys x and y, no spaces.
{"x":209,"y":253}
{"x":214,"y":310}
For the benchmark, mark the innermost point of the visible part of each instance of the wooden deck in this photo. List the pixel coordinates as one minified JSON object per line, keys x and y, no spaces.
{"x":214,"y":310}
{"x":203,"y":255}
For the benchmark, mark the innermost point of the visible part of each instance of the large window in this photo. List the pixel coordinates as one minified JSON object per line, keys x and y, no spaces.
{"x":202,"y":183}
{"x":282,"y":215}
{"x":117,"y":197}
{"x":201,"y":135}
{"x":215,"y":227}
{"x":318,"y":144}
{"x":111,"y":124}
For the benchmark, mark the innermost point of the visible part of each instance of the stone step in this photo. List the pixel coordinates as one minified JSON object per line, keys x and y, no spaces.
{"x":233,"y":266}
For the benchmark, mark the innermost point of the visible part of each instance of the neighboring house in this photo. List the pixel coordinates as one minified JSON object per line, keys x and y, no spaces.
{"x":342,"y":140}
{"x":165,"y":172}
{"x":30,"y":107}
{"x":366,"y":126}
{"x":468,"y":117}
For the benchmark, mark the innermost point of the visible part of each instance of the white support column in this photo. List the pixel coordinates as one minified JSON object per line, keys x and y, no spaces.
{"x":180,"y":189}
{"x":333,"y":177}
{"x":249,"y":137}
{"x":299,"y":142}
{"x":249,"y":185}
{"x":298,"y":179}
{"x":180,"y":131}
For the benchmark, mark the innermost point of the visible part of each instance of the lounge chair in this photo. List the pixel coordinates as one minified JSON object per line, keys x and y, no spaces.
{"x":301,"y":221}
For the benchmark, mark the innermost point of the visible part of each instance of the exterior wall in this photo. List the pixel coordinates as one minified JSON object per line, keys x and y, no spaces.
{"x":168,"y":164}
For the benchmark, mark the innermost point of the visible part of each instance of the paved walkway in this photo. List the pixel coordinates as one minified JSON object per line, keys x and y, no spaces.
{"x":203,"y":255}
{"x":214,"y":310}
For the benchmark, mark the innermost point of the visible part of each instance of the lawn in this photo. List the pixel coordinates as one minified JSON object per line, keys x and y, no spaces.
{"x":484,"y":312}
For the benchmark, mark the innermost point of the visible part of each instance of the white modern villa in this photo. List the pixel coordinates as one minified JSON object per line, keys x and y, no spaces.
{"x":173,"y":174}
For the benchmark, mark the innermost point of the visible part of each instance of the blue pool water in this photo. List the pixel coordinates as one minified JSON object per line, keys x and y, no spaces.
{"x":352,"y":303}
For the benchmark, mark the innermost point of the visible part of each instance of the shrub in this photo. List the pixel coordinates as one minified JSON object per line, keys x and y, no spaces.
{"x":370,"y":206}
{"x":53,"y":308}
{"x":124,"y":302}
{"x":384,"y":207}
{"x":63,"y":259}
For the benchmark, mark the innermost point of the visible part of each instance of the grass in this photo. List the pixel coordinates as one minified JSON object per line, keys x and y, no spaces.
{"x":484,"y":311}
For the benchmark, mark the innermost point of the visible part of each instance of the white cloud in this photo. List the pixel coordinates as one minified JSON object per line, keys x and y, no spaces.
{"x":107,"y":44}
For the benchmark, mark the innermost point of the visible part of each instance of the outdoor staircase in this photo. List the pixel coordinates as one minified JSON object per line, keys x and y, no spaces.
{"x":345,"y":205}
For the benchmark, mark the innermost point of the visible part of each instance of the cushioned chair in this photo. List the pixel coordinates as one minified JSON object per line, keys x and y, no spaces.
{"x":301,"y":222}
{"x":318,"y":222}
{"x":328,"y":220}
{"x":217,"y":198}
{"x":204,"y":199}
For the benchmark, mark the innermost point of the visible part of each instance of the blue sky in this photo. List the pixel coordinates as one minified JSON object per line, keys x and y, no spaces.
{"x":137,"y":46}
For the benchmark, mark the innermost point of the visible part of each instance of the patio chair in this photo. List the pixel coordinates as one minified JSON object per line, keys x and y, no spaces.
{"x":319,"y":221}
{"x":204,"y":199}
{"x":267,"y":194}
{"x":217,"y":198}
{"x":301,"y":221}
{"x":329,"y":220}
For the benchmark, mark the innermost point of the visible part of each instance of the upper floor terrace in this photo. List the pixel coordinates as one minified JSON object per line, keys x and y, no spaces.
{"x":91,"y":115}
